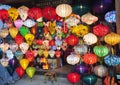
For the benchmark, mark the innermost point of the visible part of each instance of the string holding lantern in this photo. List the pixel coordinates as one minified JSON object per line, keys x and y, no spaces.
{"x":110,"y":16}
{"x":63,"y":10}
{"x":100,"y":30}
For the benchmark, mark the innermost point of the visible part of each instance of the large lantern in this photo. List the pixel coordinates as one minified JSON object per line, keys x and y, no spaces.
{"x":112,"y":38}
{"x":72,"y":59}
{"x":63,"y":10}
{"x":90,"y":58}
{"x":3,"y":14}
{"x":73,"y":77}
{"x":100,"y":50}
{"x":72,"y":40}
{"x":100,"y":70}
{"x":100,"y":30}
{"x":90,"y":39}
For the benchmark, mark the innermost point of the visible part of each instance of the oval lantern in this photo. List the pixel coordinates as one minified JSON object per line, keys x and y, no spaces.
{"x":90,"y":58}
{"x":112,"y":38}
{"x":89,"y":79}
{"x":101,"y":50}
{"x":80,"y":49}
{"x":73,"y":77}
{"x":49,"y":12}
{"x":72,"y":40}
{"x":110,"y":16}
{"x":100,"y":30}
{"x":63,"y":10}
{"x":90,"y":39}
{"x":72,"y":59}
{"x":100,"y":70}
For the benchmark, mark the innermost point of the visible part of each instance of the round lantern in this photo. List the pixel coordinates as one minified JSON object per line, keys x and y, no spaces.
{"x":49,"y":13}
{"x":90,"y":58}
{"x":100,"y":70}
{"x":112,"y":60}
{"x":90,"y":39}
{"x":112,"y":38}
{"x":3,"y":14}
{"x":100,"y":30}
{"x":72,"y":59}
{"x":101,"y":50}
{"x":110,"y":16}
{"x":72,"y":40}
{"x":80,"y":49}
{"x":73,"y":77}
{"x":63,"y":10}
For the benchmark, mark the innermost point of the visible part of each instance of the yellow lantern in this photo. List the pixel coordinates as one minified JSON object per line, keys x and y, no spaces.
{"x":4,"y":32}
{"x":45,"y":53}
{"x":112,"y":38}
{"x":13,"y":32}
{"x":63,"y":10}
{"x":29,"y":38}
{"x":13,"y":13}
{"x":80,"y":30}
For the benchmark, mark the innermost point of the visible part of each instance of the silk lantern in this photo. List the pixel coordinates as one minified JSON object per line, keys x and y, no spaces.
{"x":20,"y":71}
{"x":90,"y":58}
{"x":45,"y":53}
{"x":9,"y":54}
{"x":90,"y":39}
{"x":13,"y":63}
{"x":72,"y":40}
{"x":49,"y":12}
{"x":89,"y":19}
{"x":4,"y":32}
{"x":30,"y":71}
{"x":29,"y":38}
{"x":23,"y":31}
{"x":112,"y":38}
{"x":80,"y":30}
{"x":4,"y":62}
{"x":110,"y":16}
{"x":81,"y":49}
{"x":29,"y":55}
{"x":63,"y":10}
{"x":58,"y":53}
{"x":24,"y":63}
{"x":72,"y":59}
{"x":34,"y":13}
{"x":29,"y":23}
{"x":18,"y":39}
{"x":101,"y":50}
{"x":4,"y":47}
{"x":73,"y":77}
{"x":13,"y":32}
{"x":18,"y":23}
{"x":23,"y":12}
{"x":100,"y":30}
{"x":19,"y":54}
{"x":3,"y":14}
{"x":13,"y":47}
{"x":24,"y":47}
{"x":100,"y":70}
{"x":13,"y":13}
{"x":51,"y":53}
{"x":89,"y":79}
{"x":4,"y":6}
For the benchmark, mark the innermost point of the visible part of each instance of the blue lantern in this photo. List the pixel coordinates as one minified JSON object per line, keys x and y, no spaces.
{"x":110,"y":16}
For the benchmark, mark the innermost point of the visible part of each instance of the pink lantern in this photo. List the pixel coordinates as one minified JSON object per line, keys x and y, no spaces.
{"x":18,"y":23}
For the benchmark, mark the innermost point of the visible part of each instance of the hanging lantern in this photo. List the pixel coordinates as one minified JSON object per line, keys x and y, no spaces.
{"x":13,"y":32}
{"x":23,"y":31}
{"x":72,"y":40}
{"x":6,"y":7}
{"x":63,"y":10}
{"x":80,"y":49}
{"x":18,"y":23}
{"x":4,"y":62}
{"x":19,"y":39}
{"x":9,"y":54}
{"x":110,"y":16}
{"x":72,"y":59}
{"x":4,"y":47}
{"x":3,"y":14}
{"x":112,"y":38}
{"x":90,"y":58}
{"x":49,"y":13}
{"x":90,"y":39}
{"x":80,"y":30}
{"x":100,"y":30}
{"x":58,"y":53}
{"x":24,"y":47}
{"x":24,"y":63}
{"x":112,"y":60}
{"x":45,"y":53}
{"x":101,"y":71}
{"x":4,"y":32}
{"x":89,"y":19}
{"x":29,"y":38}
{"x":51,"y":53}
{"x":73,"y":77}
{"x":29,"y":23}
{"x":23,"y":12}
{"x":101,"y":50}
{"x":29,"y":55}
{"x":13,"y":47}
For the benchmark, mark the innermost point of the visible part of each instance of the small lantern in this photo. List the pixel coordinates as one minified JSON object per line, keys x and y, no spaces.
{"x":63,"y":10}
{"x":110,"y":16}
{"x":58,"y":53}
{"x":24,"y":47}
{"x":4,"y":62}
{"x":4,"y":32}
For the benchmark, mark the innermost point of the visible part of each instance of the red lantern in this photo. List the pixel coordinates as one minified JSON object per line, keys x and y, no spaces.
{"x":20,"y":71}
{"x":65,"y":28}
{"x":49,"y":13}
{"x":29,"y":55}
{"x":19,"y":39}
{"x":3,"y":14}
{"x":90,"y":58}
{"x":51,"y":42}
{"x":34,"y":13}
{"x":73,"y":77}
{"x":100,"y":30}
{"x":72,"y":40}
{"x":39,"y":41}
{"x":58,"y":53}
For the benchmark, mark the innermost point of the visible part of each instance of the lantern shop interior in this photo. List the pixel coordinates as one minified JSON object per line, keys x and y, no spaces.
{"x":72,"y":37}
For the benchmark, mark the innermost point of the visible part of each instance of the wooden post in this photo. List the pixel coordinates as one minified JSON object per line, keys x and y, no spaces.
{"x":117,"y":8}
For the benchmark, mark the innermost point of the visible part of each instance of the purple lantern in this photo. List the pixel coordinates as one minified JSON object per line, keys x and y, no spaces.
{"x":13,"y":63}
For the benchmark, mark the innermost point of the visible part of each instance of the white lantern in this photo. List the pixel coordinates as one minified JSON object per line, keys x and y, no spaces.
{"x":24,"y":47}
{"x":72,"y":59}
{"x":51,"y":53}
{"x":63,"y":10}
{"x":100,"y":70}
{"x":90,"y":39}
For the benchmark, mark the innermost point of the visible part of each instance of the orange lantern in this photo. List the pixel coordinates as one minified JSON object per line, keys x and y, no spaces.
{"x":90,"y":58}
{"x":58,"y":53}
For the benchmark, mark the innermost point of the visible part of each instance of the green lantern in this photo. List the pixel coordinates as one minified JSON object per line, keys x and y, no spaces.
{"x":100,"y":50}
